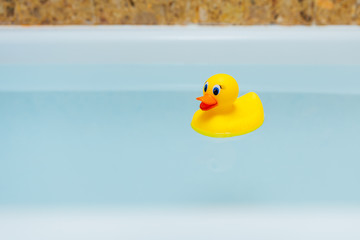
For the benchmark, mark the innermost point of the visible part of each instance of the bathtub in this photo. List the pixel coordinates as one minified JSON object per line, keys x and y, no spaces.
{"x":96,"y":143}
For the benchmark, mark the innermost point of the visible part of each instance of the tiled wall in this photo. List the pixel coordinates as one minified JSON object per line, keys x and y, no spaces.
{"x":239,"y":12}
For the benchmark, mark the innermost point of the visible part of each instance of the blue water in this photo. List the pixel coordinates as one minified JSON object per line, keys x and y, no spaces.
{"x":131,"y":146}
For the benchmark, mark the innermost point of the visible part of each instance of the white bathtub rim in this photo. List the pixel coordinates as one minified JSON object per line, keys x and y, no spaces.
{"x":180,"y":45}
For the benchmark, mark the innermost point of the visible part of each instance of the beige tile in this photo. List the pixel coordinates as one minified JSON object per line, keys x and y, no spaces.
{"x":357,"y":13}
{"x":141,"y":11}
{"x":149,"y":12}
{"x":78,"y":12}
{"x":248,"y":12}
{"x":170,"y":11}
{"x":334,"y":11}
{"x":114,"y":11}
{"x":294,"y":12}
{"x":258,"y":12}
{"x":220,"y":12}
{"x":7,"y":11}
{"x":161,"y":12}
{"x":40,"y":12}
{"x":129,"y":12}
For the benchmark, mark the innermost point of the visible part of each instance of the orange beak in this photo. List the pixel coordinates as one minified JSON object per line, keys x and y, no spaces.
{"x":207,"y":102}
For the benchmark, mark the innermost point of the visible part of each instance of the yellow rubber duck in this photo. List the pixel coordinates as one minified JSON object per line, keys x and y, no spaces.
{"x":222,"y":113}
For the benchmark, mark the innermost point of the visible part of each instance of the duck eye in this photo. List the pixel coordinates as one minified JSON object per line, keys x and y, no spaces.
{"x":205,"y":87}
{"x":216,"y":90}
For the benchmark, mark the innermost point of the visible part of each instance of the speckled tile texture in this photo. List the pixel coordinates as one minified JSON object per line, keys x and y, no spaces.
{"x":294,"y":12}
{"x":334,"y":11}
{"x":168,"y":12}
{"x":7,"y":11}
{"x":357,"y":13}
{"x":39,"y":12}
{"x":140,"y":11}
{"x":258,"y":12}
{"x":220,"y":11}
{"x":57,"y":12}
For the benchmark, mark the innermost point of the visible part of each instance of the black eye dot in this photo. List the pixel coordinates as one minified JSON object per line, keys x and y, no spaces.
{"x":205,"y":87}
{"x":216,"y":90}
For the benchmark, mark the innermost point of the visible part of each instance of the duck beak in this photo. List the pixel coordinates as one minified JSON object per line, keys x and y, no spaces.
{"x":207,"y":102}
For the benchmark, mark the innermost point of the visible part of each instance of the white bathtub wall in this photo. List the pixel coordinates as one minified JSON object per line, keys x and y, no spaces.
{"x":201,"y":50}
{"x":180,"y":45}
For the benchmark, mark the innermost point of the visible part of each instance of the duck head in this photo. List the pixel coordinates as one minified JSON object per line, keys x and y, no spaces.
{"x":220,"y":90}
